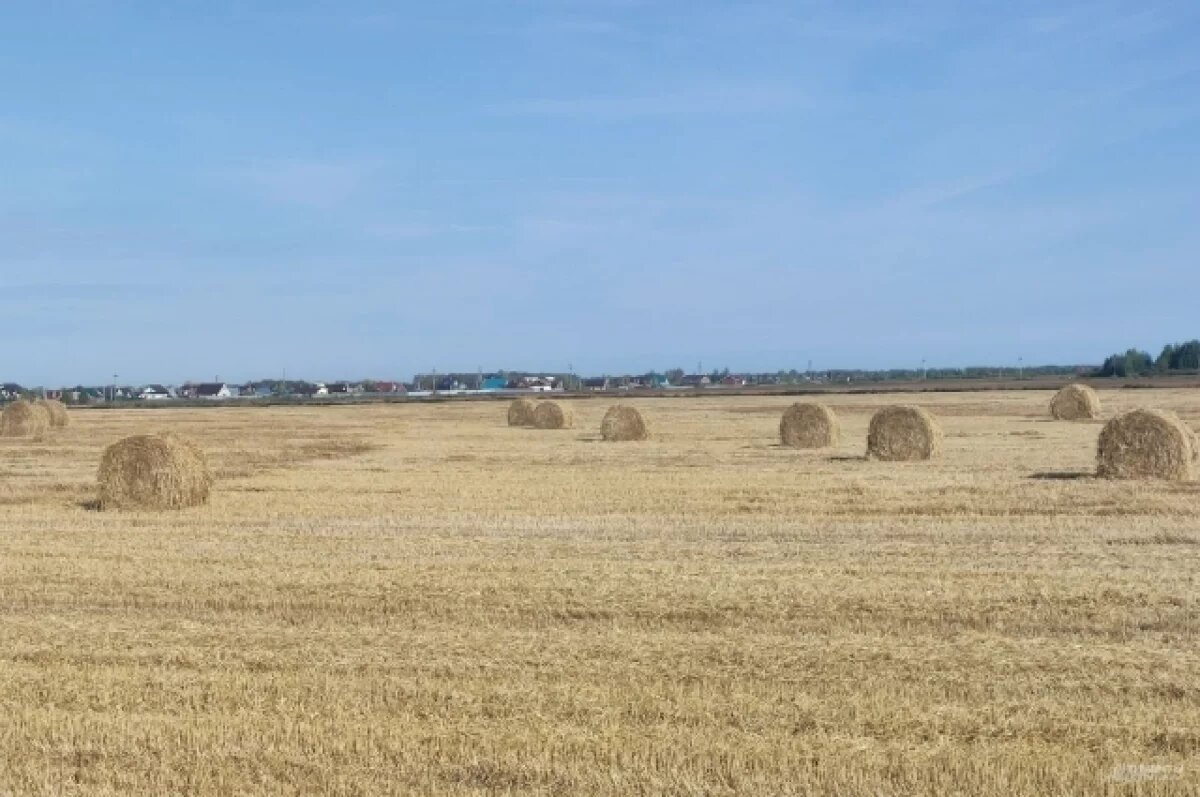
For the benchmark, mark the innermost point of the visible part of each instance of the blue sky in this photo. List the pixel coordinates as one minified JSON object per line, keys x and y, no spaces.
{"x":351,"y":189}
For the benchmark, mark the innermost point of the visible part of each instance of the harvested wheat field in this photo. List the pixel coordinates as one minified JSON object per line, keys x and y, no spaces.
{"x":417,"y":599}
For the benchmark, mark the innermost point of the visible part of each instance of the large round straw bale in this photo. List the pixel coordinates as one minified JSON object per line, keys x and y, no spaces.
{"x":552,"y":415}
{"x":520,"y":412}
{"x":24,"y":419}
{"x":622,"y":423}
{"x":809,"y":425}
{"x":1146,"y":444}
{"x":1075,"y":403}
{"x":153,"y":472}
{"x":57,"y":411}
{"x":903,"y":433}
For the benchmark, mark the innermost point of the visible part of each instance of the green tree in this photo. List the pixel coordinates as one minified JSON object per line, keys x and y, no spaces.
{"x":1186,"y":356}
{"x":1165,"y":359}
{"x":1131,"y":363}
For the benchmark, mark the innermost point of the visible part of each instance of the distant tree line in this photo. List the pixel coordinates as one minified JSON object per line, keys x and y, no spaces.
{"x":1135,"y":362}
{"x":675,"y":376}
{"x":969,"y":372}
{"x":1173,"y":357}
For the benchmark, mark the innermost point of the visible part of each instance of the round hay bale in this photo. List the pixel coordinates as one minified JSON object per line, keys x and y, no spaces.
{"x":903,"y":434}
{"x":1146,"y":444}
{"x":155,"y":471}
{"x":623,"y":423}
{"x":552,"y":415}
{"x":809,"y":425}
{"x":58,"y":413}
{"x":24,"y":419}
{"x":1075,"y":403}
{"x":520,"y":412}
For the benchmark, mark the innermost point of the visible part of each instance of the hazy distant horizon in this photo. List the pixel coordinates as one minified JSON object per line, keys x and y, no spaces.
{"x":365,"y":188}
{"x":307,"y":376}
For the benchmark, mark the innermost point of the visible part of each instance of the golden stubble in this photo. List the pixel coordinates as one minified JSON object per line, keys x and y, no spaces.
{"x":420,"y":599}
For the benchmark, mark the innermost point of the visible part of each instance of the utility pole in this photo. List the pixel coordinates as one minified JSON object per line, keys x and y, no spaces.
{"x":1020,"y":368}
{"x":924,"y":370}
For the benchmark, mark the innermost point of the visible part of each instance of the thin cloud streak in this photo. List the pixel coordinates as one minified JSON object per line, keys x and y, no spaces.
{"x":712,"y":99}
{"x":309,"y":183}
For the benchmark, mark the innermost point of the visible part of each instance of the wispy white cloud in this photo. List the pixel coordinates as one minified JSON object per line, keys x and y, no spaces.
{"x":1048,"y":23}
{"x":712,"y":98}
{"x":319,"y":184}
{"x":20,"y":294}
{"x":411,"y":231}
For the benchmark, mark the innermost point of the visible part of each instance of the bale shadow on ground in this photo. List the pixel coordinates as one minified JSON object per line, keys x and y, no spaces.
{"x":848,"y":458}
{"x":1062,"y":475}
